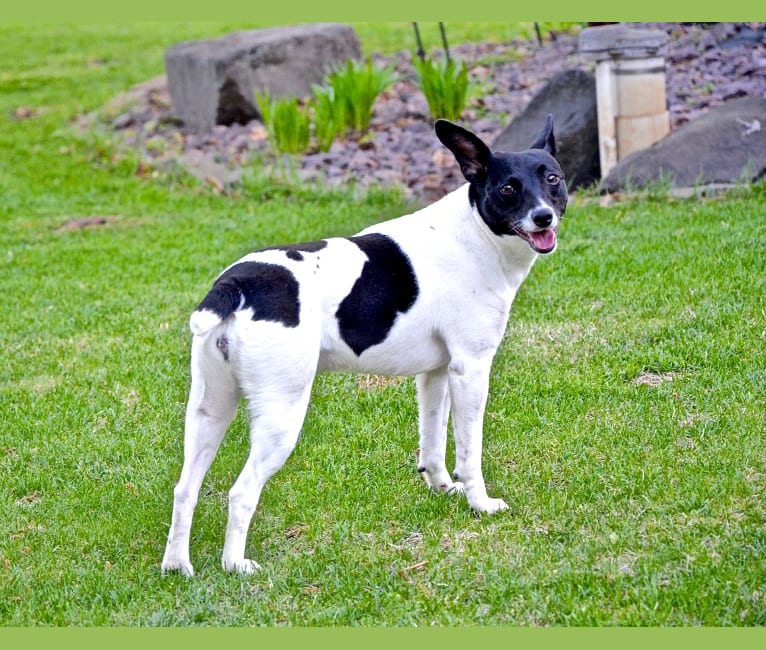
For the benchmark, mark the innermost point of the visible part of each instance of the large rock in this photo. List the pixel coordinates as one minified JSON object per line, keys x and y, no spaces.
{"x":571,"y":97}
{"x":726,"y":145}
{"x":214,"y":81}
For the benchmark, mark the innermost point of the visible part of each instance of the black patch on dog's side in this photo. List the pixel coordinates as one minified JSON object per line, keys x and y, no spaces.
{"x":271,"y":291}
{"x":386,"y":287}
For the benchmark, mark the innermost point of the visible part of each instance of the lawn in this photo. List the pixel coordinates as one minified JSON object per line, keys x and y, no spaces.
{"x":625,"y":423}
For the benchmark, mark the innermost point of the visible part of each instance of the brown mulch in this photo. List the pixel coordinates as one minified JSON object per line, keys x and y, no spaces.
{"x":706,"y":64}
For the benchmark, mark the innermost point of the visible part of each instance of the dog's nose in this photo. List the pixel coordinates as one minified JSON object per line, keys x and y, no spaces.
{"x":542,"y":217}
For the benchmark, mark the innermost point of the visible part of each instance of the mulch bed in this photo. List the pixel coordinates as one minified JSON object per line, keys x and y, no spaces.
{"x":706,"y":64}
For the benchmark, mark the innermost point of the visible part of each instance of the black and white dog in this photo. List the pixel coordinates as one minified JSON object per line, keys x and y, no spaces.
{"x":427,"y":294}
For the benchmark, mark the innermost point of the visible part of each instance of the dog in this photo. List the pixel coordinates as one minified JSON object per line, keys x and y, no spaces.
{"x":427,"y":294}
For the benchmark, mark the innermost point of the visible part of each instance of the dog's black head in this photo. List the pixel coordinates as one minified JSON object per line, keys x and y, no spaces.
{"x":517,"y":194}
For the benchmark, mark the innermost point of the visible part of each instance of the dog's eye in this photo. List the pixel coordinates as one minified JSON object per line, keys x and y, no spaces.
{"x":552,"y":179}
{"x":507,"y":190}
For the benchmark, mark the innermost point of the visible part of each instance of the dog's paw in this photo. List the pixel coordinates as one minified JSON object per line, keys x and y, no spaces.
{"x":489,"y":506}
{"x":456,"y":488}
{"x":243,"y":566}
{"x":184,"y":568}
{"x":440,"y":481}
{"x":447,"y":486}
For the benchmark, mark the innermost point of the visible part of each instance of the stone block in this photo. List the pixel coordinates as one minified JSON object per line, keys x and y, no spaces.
{"x":639,"y":87}
{"x":214,"y":81}
{"x":636,"y":133}
{"x":621,"y":42}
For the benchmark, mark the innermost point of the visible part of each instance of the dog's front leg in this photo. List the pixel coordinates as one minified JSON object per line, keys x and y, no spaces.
{"x":433,"y":411}
{"x":469,"y":385}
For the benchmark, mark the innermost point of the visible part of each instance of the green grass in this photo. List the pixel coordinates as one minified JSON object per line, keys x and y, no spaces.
{"x":625,"y":423}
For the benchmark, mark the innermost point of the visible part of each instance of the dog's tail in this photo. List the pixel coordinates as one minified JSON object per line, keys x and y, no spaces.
{"x":223,"y":300}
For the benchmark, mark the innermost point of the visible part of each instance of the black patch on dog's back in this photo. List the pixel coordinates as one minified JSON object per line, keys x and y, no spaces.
{"x":386,"y":287}
{"x":293,"y":251}
{"x":270,"y":290}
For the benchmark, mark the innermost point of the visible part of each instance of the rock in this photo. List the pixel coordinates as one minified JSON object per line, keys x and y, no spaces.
{"x":571,"y":97}
{"x":745,"y":37}
{"x":214,"y":81}
{"x":726,"y":145}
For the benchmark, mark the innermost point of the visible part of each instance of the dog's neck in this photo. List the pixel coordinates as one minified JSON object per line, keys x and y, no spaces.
{"x":505,"y":260}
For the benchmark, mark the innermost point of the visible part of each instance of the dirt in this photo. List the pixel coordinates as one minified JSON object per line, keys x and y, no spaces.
{"x":706,"y":64}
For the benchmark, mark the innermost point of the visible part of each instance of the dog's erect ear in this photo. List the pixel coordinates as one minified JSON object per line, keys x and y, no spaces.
{"x":545,"y":139}
{"x":471,"y":153}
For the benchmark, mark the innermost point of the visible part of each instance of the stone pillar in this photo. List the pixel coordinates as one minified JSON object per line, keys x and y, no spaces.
{"x":630,"y":89}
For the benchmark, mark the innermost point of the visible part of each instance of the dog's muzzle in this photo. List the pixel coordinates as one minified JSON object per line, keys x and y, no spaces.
{"x":542,"y":241}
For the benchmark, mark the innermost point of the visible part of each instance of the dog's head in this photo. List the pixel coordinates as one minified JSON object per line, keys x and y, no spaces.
{"x":519,"y":194}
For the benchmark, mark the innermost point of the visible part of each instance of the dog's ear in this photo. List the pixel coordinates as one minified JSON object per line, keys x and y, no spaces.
{"x":545,"y":139}
{"x":471,"y":153}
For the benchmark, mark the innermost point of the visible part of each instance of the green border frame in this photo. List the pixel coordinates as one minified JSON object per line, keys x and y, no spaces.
{"x":401,"y":638}
{"x":298,"y":11}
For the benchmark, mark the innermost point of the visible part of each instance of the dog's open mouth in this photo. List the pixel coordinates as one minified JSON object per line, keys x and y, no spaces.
{"x":541,"y":241}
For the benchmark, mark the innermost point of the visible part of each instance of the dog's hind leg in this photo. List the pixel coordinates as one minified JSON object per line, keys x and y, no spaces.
{"x":277,"y":367}
{"x":273,"y":435}
{"x":433,"y":410}
{"x":212,"y":405}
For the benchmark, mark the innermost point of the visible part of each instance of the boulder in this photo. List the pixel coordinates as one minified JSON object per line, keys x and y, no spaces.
{"x":214,"y":81}
{"x":726,"y":145}
{"x":571,"y":97}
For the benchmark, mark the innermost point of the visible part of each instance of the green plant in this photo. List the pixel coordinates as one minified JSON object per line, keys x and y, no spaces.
{"x":445,"y":85}
{"x":287,"y":122}
{"x":329,"y":116}
{"x":356,"y":86}
{"x":343,"y":102}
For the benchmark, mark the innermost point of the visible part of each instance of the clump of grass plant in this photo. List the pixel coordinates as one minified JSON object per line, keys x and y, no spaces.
{"x":356,"y":86}
{"x":329,"y":116}
{"x":445,"y":85}
{"x":288,"y":123}
{"x":343,"y":102}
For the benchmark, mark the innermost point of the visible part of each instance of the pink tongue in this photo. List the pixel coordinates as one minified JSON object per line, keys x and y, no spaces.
{"x":543,"y":239}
